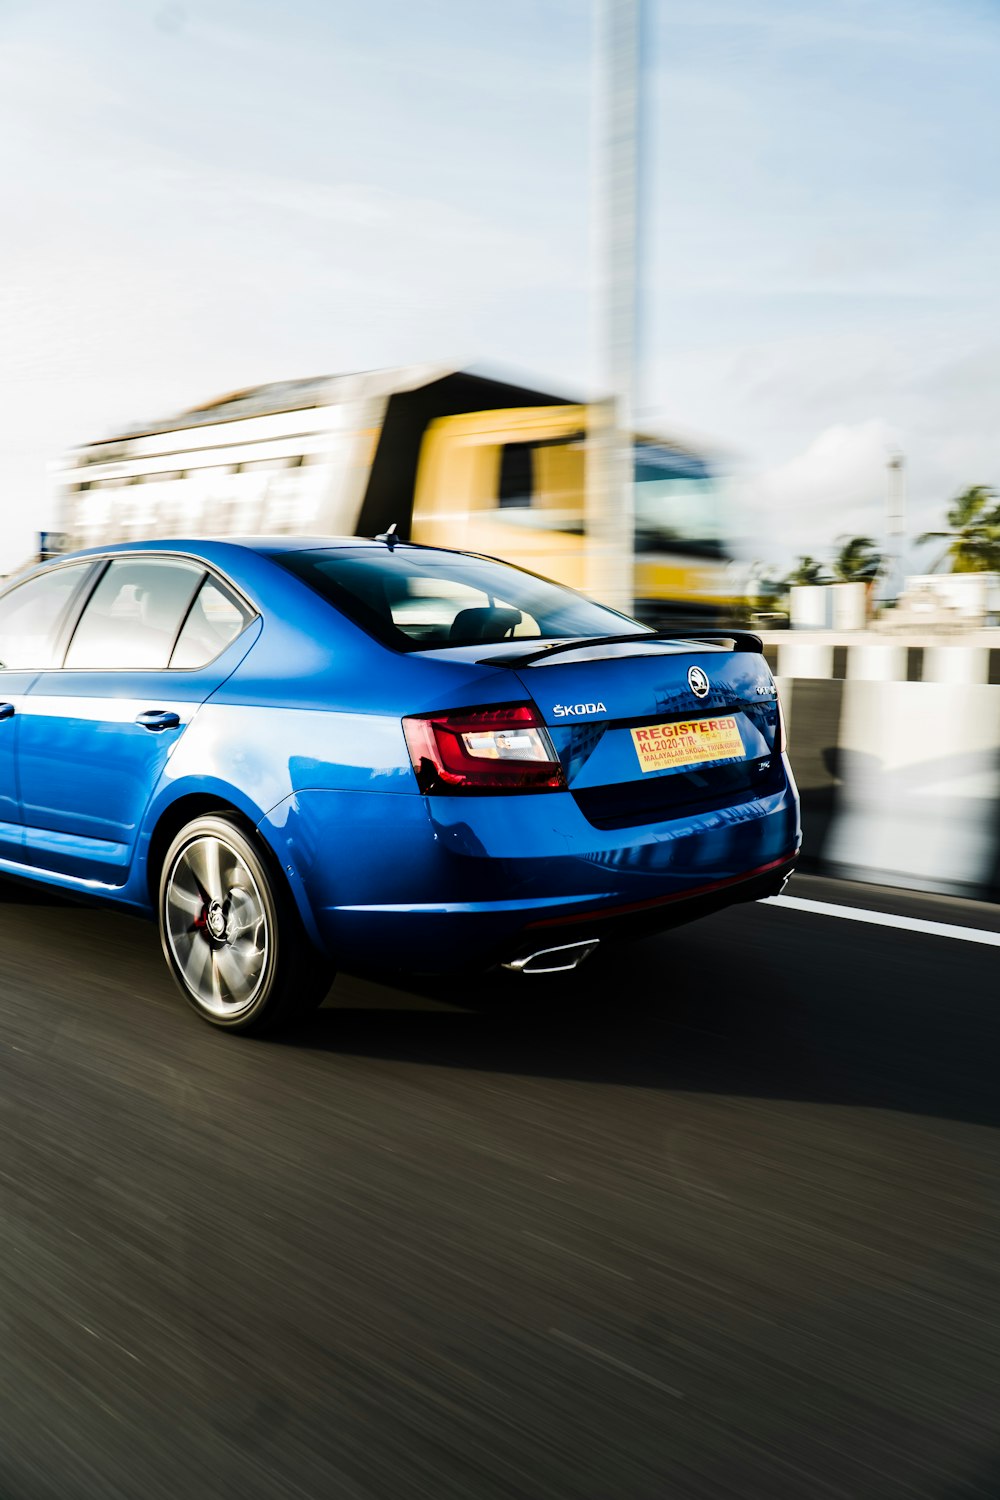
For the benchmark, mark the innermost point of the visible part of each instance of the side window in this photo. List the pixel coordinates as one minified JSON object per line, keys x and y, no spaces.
{"x":32,"y":616}
{"x":134,"y":615}
{"x":215,"y":619}
{"x":541,"y":484}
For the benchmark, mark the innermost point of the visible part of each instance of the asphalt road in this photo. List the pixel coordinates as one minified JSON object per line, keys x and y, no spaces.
{"x":720,"y":1220}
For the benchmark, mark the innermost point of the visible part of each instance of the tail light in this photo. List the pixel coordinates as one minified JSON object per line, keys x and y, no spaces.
{"x":782,"y":734}
{"x":483,"y":750}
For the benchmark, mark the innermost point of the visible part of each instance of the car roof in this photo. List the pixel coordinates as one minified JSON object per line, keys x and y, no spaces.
{"x":210,"y":547}
{"x":224,"y":552}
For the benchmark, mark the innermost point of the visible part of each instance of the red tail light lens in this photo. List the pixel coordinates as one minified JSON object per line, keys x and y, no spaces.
{"x":483,"y":750}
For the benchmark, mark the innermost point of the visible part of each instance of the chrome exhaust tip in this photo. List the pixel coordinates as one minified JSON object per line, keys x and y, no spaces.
{"x":554,"y":960}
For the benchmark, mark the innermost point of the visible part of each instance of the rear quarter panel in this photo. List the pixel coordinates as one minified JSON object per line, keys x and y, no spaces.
{"x":316,"y":705}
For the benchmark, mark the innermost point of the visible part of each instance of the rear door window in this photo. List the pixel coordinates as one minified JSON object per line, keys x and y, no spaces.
{"x":134,"y":615}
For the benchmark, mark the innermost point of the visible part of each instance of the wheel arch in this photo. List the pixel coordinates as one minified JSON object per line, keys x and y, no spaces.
{"x":280,"y":975}
{"x":173,"y":818}
{"x":189,"y":805}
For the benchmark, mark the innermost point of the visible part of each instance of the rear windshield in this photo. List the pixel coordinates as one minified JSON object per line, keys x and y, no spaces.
{"x":414,"y":600}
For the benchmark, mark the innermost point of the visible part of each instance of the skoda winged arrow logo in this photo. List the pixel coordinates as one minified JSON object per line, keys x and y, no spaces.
{"x":698,"y":682}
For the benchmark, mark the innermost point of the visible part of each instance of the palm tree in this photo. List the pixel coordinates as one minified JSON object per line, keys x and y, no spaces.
{"x":806,"y":571}
{"x":764,"y":584}
{"x":974,"y":535}
{"x":857,"y":561}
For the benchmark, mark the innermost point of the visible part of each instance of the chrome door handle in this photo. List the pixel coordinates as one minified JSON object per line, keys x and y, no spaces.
{"x":6,"y":710}
{"x":158,"y":718}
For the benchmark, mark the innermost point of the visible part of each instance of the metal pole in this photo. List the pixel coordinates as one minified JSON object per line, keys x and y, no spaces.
{"x":897,"y":495}
{"x":894,"y":526}
{"x":610,"y":499}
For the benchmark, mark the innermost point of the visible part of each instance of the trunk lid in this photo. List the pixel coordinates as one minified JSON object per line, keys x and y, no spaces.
{"x":647,"y":728}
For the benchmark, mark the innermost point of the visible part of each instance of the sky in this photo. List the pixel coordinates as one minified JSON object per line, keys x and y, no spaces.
{"x":202,"y":194}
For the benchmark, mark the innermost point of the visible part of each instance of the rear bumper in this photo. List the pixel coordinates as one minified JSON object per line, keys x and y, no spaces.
{"x":657,"y":915}
{"x":432,"y":885}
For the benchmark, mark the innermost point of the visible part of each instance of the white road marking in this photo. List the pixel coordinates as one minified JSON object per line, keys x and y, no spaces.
{"x":887,"y":919}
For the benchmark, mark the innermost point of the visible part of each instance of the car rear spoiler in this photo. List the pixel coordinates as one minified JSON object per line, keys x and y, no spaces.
{"x":728,"y":640}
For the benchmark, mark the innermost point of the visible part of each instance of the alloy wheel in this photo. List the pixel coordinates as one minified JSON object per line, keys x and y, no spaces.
{"x":216,"y":925}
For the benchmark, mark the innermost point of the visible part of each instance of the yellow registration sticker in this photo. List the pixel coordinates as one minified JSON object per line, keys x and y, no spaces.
{"x":661,"y":747}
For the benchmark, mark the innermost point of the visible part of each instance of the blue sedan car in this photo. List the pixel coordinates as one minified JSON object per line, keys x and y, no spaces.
{"x":305,"y":755}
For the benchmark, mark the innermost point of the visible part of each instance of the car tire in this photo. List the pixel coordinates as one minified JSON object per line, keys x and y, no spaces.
{"x":231,"y":935}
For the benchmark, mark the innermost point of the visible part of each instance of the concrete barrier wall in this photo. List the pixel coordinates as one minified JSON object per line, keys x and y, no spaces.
{"x":971,"y":658}
{"x":900,"y":781}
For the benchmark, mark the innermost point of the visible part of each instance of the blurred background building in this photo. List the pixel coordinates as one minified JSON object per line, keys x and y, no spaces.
{"x":450,"y":457}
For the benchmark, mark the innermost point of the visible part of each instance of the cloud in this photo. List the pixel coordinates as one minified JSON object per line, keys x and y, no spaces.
{"x":243,"y":196}
{"x":834,"y":486}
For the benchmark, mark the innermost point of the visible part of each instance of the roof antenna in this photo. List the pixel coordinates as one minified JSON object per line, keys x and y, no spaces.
{"x":389,"y":537}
